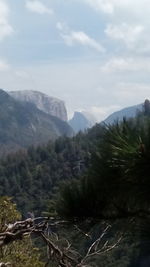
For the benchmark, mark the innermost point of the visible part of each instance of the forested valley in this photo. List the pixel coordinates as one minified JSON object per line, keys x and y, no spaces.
{"x":93,"y":188}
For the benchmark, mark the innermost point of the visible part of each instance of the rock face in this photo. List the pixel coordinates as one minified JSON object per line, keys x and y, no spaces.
{"x":81,"y":121}
{"x":128,"y":112}
{"x":22,"y":124}
{"x":50,"y":105}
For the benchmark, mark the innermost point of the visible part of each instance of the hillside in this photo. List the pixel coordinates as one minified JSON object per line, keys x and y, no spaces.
{"x":31,"y":177}
{"x":22,"y":125}
{"x":128,"y":112}
{"x":102,"y":176}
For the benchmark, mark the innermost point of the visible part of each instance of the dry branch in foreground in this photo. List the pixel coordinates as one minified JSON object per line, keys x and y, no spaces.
{"x":64,"y":257}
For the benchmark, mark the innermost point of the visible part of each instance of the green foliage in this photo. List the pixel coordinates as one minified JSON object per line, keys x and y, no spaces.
{"x":31,"y":178}
{"x":20,"y":253}
{"x":117,"y":187}
{"x":117,"y":184}
{"x":105,"y":174}
{"x":8,"y":212}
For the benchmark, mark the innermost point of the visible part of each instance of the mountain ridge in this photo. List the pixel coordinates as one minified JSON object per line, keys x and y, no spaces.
{"x":22,"y":124}
{"x":50,"y":105}
{"x":127,"y":112}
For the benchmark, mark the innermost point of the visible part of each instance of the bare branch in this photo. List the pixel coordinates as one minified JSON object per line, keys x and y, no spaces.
{"x":93,"y":249}
{"x":63,"y":255}
{"x":96,"y":243}
{"x":81,"y":231}
{"x":60,"y":256}
{"x":8,"y":264}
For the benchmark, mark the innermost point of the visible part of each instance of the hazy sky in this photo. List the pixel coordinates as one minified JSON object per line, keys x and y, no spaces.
{"x":93,"y":54}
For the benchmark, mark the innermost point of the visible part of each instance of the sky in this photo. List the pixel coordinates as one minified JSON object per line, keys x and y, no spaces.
{"x":93,"y":54}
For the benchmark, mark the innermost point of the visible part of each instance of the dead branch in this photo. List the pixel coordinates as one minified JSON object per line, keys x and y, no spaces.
{"x":64,"y":257}
{"x":94,"y":249}
{"x":7,"y":264}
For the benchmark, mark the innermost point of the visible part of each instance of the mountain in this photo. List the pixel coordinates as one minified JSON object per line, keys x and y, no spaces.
{"x":90,"y":117}
{"x":81,"y":121}
{"x":128,"y":112}
{"x":22,"y":124}
{"x":50,"y":105}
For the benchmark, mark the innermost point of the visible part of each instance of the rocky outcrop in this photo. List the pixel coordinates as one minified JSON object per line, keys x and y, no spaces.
{"x":49,"y":105}
{"x":22,"y":124}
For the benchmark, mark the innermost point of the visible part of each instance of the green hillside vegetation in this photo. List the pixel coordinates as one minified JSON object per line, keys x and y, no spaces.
{"x":21,"y":253}
{"x":117,"y":184}
{"x":95,"y":178}
{"x":32,"y":177}
{"x":116,"y":189}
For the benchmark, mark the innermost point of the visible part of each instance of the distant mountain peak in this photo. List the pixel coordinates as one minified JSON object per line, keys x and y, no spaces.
{"x":128,"y":112}
{"x":81,"y":121}
{"x":3,"y":95}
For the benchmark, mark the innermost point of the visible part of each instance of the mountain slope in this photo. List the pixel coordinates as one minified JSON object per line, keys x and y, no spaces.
{"x":128,"y":112}
{"x":49,"y":105}
{"x":22,"y":124}
{"x":81,"y":121}
{"x":31,"y":176}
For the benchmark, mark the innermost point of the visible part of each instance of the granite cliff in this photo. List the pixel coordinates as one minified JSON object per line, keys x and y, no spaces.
{"x":49,"y":105}
{"x":22,"y":124}
{"x":81,"y":121}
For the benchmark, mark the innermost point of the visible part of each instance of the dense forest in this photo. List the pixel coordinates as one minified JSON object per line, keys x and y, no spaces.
{"x":98,"y":178}
{"x":32,"y":177}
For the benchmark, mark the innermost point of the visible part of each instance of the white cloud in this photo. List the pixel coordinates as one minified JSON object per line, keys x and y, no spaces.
{"x":129,"y":34}
{"x":132,"y":92}
{"x":22,"y":74}
{"x":5,"y":28}
{"x":83,"y":39}
{"x":102,"y":5}
{"x":97,"y":113}
{"x":38,"y":7}
{"x":111,"y":6}
{"x":127,"y":22}
{"x":4,"y":66}
{"x":78,"y":37}
{"x":102,"y":112}
{"x":117,"y":64}
{"x":60,"y":26}
{"x":128,"y":64}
